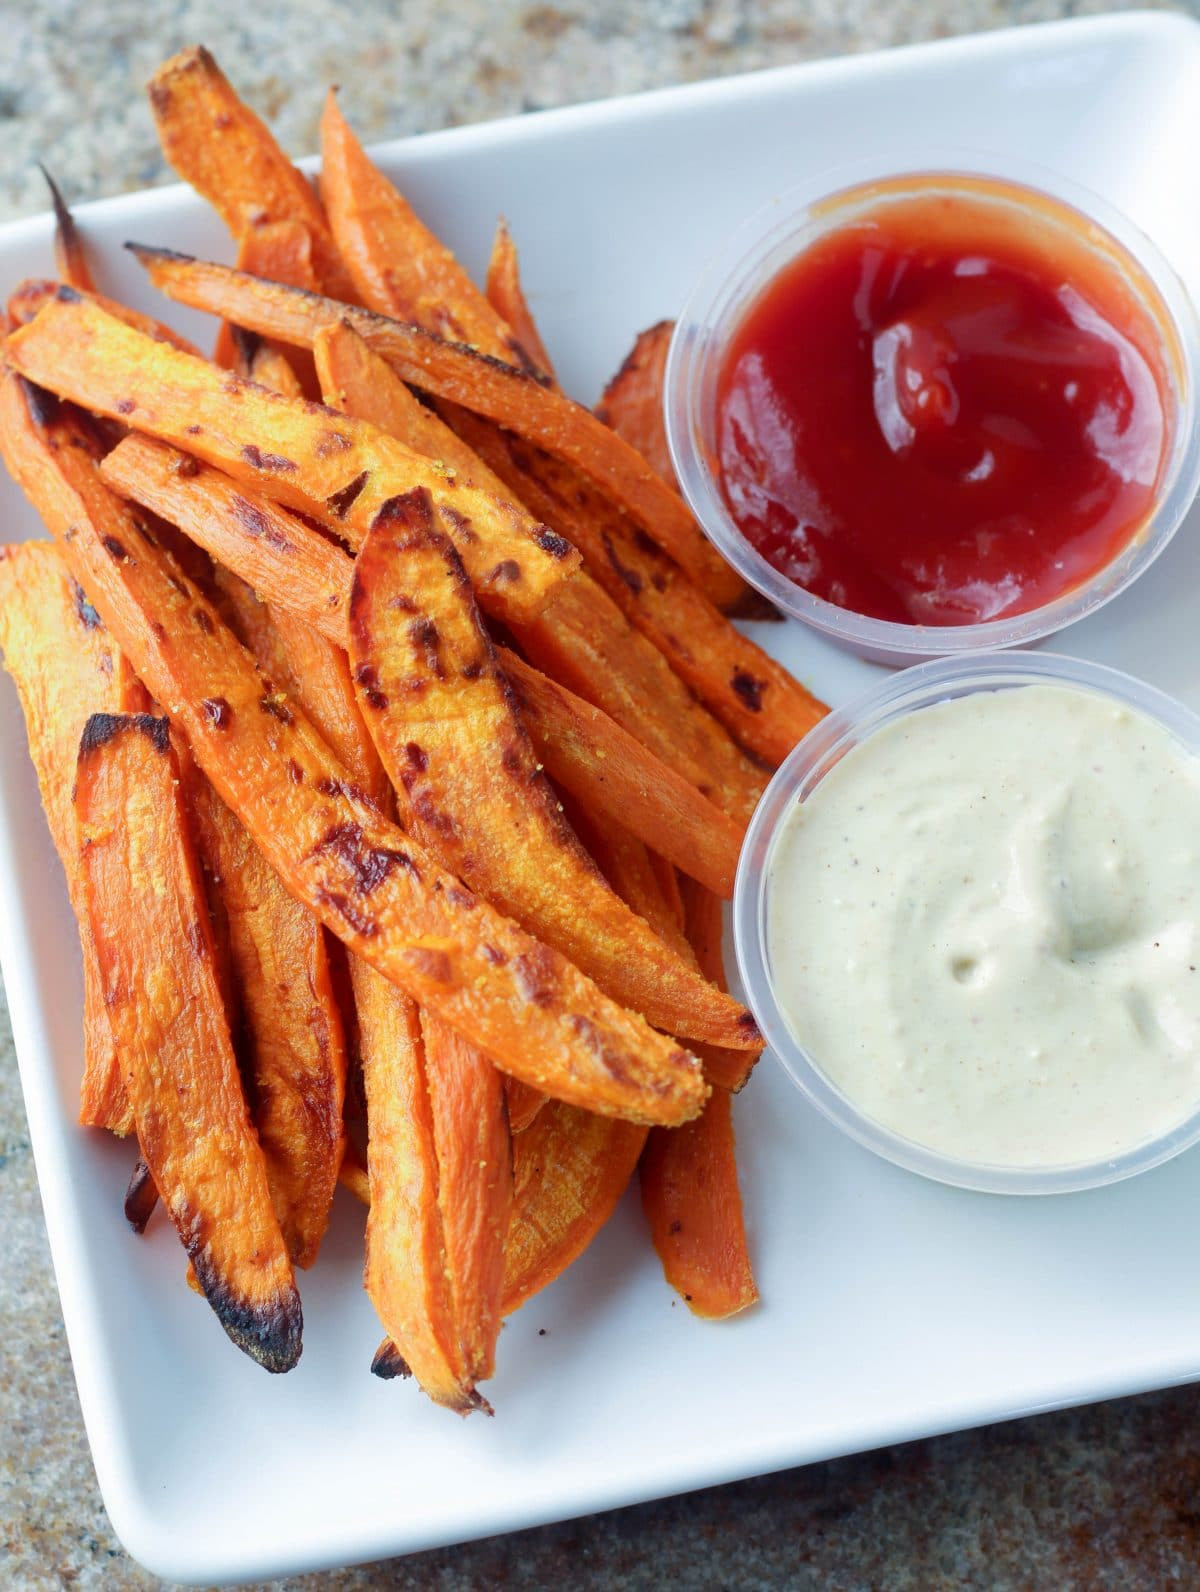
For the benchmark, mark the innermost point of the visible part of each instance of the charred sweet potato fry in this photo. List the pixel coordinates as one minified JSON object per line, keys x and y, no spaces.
{"x":70,"y":256}
{"x":66,"y":666}
{"x":582,"y":640}
{"x":507,"y":297}
{"x":285,"y":561}
{"x":692,"y":1202}
{"x":761,"y":705}
{"x":398,"y":266}
{"x":527,"y":1006}
{"x":633,"y":400}
{"x":31,"y":296}
{"x":146,"y":909}
{"x":228,"y":154}
{"x":474,"y":1159}
{"x":569,"y":1171}
{"x":500,"y":392}
{"x":344,"y":471}
{"x":610,"y":772}
{"x":406,"y":1276}
{"x":296,"y":1055}
{"x":470,"y":787}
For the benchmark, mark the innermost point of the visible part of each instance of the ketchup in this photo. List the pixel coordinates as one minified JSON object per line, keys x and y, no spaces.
{"x":934,"y":418}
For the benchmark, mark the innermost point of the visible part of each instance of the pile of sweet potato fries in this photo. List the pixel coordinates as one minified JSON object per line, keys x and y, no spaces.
{"x":398,"y":747}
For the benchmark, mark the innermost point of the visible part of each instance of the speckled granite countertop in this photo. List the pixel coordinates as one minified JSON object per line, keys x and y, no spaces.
{"x":1105,"y":1497}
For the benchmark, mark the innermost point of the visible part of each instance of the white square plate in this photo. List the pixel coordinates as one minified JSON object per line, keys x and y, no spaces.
{"x":892,"y":1308}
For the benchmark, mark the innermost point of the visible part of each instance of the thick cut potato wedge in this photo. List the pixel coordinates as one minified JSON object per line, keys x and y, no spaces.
{"x":228,"y":154}
{"x":471,"y":789}
{"x":525,"y":1005}
{"x":498,"y":391}
{"x":66,"y":666}
{"x":569,"y":1171}
{"x":146,"y":908}
{"x":345,"y":472}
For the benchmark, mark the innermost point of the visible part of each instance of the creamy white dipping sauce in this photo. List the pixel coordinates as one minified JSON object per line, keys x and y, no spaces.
{"x":983,"y":927}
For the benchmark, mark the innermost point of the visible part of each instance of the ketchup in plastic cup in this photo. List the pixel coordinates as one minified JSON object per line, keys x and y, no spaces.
{"x":937,"y":411}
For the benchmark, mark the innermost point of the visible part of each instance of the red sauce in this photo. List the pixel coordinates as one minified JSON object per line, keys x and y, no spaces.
{"x":934,"y":418}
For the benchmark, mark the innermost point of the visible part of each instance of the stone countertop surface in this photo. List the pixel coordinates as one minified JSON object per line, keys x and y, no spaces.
{"x":1103,"y":1497}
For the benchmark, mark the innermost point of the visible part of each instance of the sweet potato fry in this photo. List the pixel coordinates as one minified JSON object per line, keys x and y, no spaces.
{"x":632,"y":403}
{"x":470,"y":787}
{"x":352,"y":1174}
{"x":507,"y":297}
{"x":228,"y":154}
{"x":285,"y":561}
{"x":398,"y":266}
{"x":146,"y":908}
{"x":692,"y":1202}
{"x":610,"y":772}
{"x":583,"y":641}
{"x":31,"y":296}
{"x":756,"y":699}
{"x":704,"y":926}
{"x":70,"y":256}
{"x":625,"y":863}
{"x":66,"y":666}
{"x":474,"y":1158}
{"x":278,"y":251}
{"x":290,"y":1018}
{"x":405,"y":1273}
{"x":344,"y":471}
{"x":530,"y":1009}
{"x":488,"y":387}
{"x":569,"y":1171}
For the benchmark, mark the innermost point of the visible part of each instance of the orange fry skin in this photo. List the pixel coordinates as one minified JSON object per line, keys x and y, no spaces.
{"x":31,"y":296}
{"x":146,"y":908}
{"x":369,"y":883}
{"x":603,"y":766}
{"x":507,"y":297}
{"x":70,"y":256}
{"x":692,"y":1202}
{"x":704,"y":926}
{"x":66,"y":666}
{"x":278,"y":251}
{"x":341,"y":470}
{"x":471,"y":789}
{"x":228,"y":154}
{"x":632,"y":403}
{"x":500,"y":392}
{"x":569,"y":1171}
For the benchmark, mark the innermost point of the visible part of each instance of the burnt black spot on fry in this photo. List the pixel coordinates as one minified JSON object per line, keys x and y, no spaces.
{"x":44,"y":407}
{"x":409,"y":509}
{"x":67,"y":295}
{"x":86,"y":614}
{"x":247,"y":345}
{"x":125,"y":406}
{"x":203,"y":622}
{"x":472,"y":670}
{"x":259,"y":460}
{"x":268,"y":1331}
{"x":366,"y":677}
{"x":416,"y":757}
{"x":506,"y":569}
{"x":193,"y":431}
{"x":295,"y":772}
{"x":218,"y":712}
{"x":551,"y":542}
{"x":749,"y":690}
{"x":331,"y":442}
{"x":464,"y":900}
{"x":361,"y":922}
{"x":748,"y":1026}
{"x":675,"y":1228}
{"x":460,"y":524}
{"x":257,"y":522}
{"x":630,"y":577}
{"x":537,"y":976}
{"x":140,"y":1197}
{"x":185,"y":465}
{"x":494,"y":955}
{"x":116,"y":547}
{"x":426,"y":645}
{"x":275,"y":703}
{"x":340,"y":503}
{"x":389,"y":1363}
{"x":512,"y":760}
